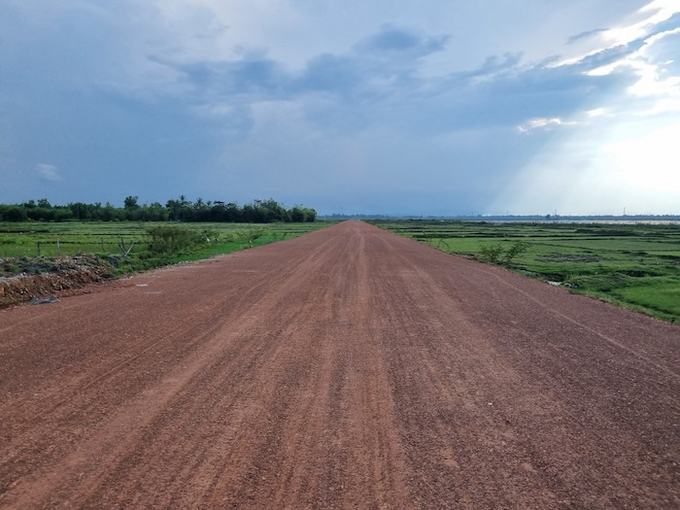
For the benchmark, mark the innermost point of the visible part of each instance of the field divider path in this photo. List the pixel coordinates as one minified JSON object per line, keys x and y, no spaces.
{"x":347,"y":368}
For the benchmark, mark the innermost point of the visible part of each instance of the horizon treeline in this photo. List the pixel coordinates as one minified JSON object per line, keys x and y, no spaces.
{"x":181,"y":209}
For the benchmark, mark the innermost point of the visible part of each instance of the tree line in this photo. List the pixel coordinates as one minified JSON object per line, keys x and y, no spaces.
{"x":180,"y":209}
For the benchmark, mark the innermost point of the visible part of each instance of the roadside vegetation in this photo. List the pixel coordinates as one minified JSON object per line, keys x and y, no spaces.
{"x":633,"y":265}
{"x":132,"y":246}
{"x":38,"y":259}
{"x":46,"y":248}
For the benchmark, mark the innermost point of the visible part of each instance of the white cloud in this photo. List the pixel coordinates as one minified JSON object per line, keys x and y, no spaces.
{"x":544,"y":123}
{"x":651,"y":15}
{"x":595,"y":112}
{"x":663,"y":106}
{"x":654,"y":78}
{"x":636,"y":27}
{"x":47,"y":172}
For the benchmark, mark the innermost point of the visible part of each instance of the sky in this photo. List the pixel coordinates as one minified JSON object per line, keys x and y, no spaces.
{"x":437,"y":107}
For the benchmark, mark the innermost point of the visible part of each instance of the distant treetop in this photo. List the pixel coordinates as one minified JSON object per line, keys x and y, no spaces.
{"x":180,"y":209}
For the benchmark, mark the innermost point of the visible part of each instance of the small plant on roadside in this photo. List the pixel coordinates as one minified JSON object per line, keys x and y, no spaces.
{"x":491,"y":252}
{"x":516,"y":249}
{"x":495,"y":253}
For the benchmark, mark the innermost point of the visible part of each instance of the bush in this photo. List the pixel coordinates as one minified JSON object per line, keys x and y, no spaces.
{"x":491,"y":252}
{"x":516,"y":249}
{"x":495,"y":253}
{"x":173,"y":239}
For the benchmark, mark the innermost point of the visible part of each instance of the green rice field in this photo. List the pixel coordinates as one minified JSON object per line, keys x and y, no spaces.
{"x":634,"y":265}
{"x":28,"y":239}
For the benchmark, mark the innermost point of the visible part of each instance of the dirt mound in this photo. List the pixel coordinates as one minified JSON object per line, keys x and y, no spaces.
{"x":41,"y":276}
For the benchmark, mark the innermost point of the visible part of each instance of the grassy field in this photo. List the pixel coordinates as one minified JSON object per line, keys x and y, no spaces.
{"x":637,"y":266}
{"x":107,"y":239}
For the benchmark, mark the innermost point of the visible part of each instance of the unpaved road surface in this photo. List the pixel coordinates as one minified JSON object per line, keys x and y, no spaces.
{"x":348,"y":368}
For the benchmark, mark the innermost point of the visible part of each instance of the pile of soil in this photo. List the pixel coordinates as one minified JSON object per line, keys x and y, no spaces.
{"x":40,"y":277}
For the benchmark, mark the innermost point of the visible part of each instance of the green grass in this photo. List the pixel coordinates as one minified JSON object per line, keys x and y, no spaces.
{"x":31,"y":239}
{"x":665,"y":298}
{"x":26,"y":239}
{"x":637,"y":266}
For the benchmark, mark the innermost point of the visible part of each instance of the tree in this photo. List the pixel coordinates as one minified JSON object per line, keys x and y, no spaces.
{"x":80,"y":210}
{"x":233,"y":213}
{"x":310,"y":215}
{"x":156,"y":212}
{"x":173,"y":207}
{"x":131,"y":202}
{"x":15,"y":213}
{"x":297,"y":214}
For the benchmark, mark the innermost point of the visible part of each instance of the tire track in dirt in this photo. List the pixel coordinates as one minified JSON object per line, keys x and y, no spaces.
{"x":348,"y":368}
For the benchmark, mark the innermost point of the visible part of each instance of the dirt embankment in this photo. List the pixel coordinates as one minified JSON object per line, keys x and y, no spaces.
{"x":42,"y":277}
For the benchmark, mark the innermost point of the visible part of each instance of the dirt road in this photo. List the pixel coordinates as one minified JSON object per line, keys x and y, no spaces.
{"x":348,"y":368}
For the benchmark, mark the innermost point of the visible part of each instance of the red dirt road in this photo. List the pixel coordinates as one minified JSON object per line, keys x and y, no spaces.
{"x":348,"y":368}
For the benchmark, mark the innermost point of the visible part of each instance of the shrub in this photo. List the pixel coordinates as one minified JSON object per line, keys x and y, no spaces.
{"x":517,"y":248}
{"x":174,"y":239}
{"x":495,"y":253}
{"x":491,"y":252}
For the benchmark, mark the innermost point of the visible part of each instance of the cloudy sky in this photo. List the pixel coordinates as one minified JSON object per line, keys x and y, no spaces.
{"x":388,"y":106}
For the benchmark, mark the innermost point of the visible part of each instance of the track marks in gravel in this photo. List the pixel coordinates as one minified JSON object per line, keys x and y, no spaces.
{"x":348,"y":368}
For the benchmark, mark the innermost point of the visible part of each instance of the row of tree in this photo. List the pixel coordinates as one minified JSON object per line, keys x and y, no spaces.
{"x":181,"y":209}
